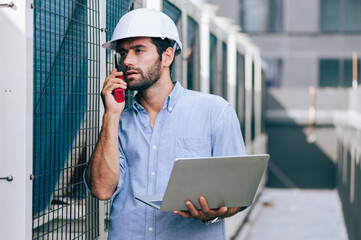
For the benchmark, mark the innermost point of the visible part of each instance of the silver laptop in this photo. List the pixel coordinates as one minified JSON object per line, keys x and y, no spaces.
{"x":223,"y":181}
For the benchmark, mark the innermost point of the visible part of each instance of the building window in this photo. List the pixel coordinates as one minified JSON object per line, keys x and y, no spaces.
{"x":273,"y":74}
{"x":193,"y":75}
{"x":212,"y":63}
{"x":175,"y":14}
{"x":240,"y":92}
{"x":264,"y":101}
{"x":224,"y":70}
{"x":172,"y":11}
{"x":253,"y":113}
{"x":340,"y":16}
{"x":259,"y":16}
{"x":337,"y":72}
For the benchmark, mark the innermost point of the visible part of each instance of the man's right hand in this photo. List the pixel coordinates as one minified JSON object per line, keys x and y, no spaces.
{"x":112,"y":82}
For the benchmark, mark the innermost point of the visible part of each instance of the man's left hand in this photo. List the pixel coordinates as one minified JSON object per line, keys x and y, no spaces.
{"x":206,"y":213}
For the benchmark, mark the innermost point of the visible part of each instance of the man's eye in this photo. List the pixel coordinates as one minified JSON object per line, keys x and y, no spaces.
{"x":122,"y":54}
{"x":138,"y":50}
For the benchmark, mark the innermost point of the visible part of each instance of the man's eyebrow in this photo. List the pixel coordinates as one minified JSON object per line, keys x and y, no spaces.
{"x":137,"y":46}
{"x":133,"y":47}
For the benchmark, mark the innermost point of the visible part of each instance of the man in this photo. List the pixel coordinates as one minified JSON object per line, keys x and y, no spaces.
{"x":137,"y":146}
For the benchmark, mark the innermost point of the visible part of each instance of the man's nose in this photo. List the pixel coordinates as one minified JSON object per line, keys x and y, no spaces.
{"x":129,"y":59}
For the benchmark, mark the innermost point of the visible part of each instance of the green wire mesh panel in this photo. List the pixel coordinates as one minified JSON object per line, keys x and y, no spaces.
{"x":66,"y":117}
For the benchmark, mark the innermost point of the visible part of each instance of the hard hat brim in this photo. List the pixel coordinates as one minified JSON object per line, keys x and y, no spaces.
{"x":112,"y":45}
{"x":145,"y":22}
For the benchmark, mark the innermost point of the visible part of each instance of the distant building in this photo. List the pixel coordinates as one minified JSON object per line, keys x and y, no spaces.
{"x":307,"y":42}
{"x":304,"y":43}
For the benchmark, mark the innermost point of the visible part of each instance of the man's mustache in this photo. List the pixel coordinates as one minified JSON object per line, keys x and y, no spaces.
{"x":128,"y":68}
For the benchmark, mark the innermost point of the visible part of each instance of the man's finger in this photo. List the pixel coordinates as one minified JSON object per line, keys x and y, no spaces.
{"x":204,"y":204}
{"x":209,"y":213}
{"x":222,"y":211}
{"x":193,"y":211}
{"x":111,"y":75}
{"x":183,"y":214}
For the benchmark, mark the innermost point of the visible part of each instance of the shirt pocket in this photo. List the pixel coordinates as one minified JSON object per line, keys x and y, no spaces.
{"x":193,"y":147}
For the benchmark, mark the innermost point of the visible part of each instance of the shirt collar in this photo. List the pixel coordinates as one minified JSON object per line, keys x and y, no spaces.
{"x":169,"y":102}
{"x":173,"y":97}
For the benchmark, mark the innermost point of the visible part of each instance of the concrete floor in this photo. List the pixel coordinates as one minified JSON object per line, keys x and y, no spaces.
{"x":295,"y":214}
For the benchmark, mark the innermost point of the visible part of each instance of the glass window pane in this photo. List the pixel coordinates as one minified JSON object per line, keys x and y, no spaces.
{"x":261,"y":15}
{"x":175,"y":14}
{"x":352,"y":13}
{"x":340,"y":16}
{"x":358,"y":71}
{"x":264,"y":101}
{"x":274,"y":72}
{"x":224,"y":70}
{"x":193,"y":55}
{"x":253,"y":117}
{"x":330,"y":15}
{"x":276,"y":15}
{"x":347,"y":73}
{"x":172,"y":11}
{"x":212,"y":62}
{"x":240,"y":92}
{"x":329,"y":73}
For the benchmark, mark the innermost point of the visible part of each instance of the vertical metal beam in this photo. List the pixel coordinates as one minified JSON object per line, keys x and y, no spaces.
{"x":185,"y":47}
{"x":16,"y":121}
{"x":155,"y":4}
{"x":204,"y":53}
{"x":231,"y":70}
{"x":103,"y":74}
{"x":258,"y":94}
{"x":218,"y":90}
{"x":248,"y":99}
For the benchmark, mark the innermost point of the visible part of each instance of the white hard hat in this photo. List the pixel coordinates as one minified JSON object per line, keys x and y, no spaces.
{"x":145,"y":22}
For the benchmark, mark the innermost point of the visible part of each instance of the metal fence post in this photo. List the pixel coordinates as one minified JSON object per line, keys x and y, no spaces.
{"x":103,"y":74}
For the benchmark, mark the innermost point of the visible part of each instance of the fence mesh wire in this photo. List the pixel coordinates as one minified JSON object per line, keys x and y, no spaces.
{"x":66,"y":113}
{"x":66,"y":117}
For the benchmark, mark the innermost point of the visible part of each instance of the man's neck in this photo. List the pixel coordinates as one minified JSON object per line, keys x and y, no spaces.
{"x":153,"y":98}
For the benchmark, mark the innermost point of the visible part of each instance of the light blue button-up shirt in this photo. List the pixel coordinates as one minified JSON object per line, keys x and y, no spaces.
{"x":191,"y":124}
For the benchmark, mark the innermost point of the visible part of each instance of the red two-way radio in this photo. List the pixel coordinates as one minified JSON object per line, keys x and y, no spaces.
{"x":118,"y":93}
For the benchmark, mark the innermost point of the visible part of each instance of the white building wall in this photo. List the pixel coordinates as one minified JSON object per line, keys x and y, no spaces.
{"x":295,"y":12}
{"x":16,"y":125}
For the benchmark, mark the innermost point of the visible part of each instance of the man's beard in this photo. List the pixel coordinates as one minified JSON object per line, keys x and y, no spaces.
{"x":147,"y":79}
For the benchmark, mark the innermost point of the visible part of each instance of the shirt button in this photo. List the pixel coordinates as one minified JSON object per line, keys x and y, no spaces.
{"x":150,"y":229}
{"x":145,"y":125}
{"x":153,"y":173}
{"x":170,"y":109}
{"x":154,"y":147}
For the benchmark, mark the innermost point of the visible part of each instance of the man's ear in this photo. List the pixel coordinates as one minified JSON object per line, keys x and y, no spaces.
{"x":168,"y":57}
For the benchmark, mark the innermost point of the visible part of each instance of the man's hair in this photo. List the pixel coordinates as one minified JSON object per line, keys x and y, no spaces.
{"x":162,"y":45}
